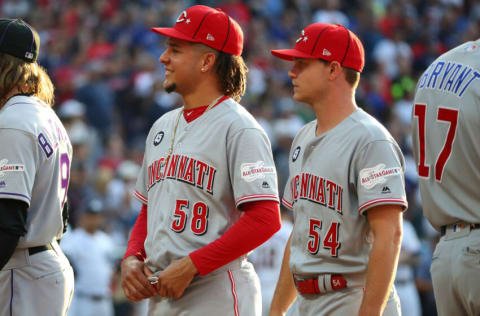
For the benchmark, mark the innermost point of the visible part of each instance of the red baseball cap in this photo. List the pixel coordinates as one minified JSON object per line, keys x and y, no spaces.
{"x":212,"y":27}
{"x":329,"y":42}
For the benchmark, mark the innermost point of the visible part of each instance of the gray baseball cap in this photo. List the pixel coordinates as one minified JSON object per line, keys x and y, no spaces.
{"x":19,"y":39}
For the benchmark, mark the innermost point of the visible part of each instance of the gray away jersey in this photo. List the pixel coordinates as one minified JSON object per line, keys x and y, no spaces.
{"x":220,"y":160}
{"x":35,"y":156}
{"x":334,"y":178}
{"x":446,"y":125}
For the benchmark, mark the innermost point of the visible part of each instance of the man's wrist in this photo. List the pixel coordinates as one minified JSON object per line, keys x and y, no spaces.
{"x":370,"y":309}
{"x":192,"y":268}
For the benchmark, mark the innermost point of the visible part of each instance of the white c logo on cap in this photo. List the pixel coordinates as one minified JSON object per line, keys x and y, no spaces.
{"x":302,"y":37}
{"x":182,"y":17}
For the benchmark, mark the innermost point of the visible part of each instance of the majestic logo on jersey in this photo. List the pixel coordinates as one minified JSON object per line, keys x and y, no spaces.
{"x":5,"y":167}
{"x":252,"y":171}
{"x":370,"y":177}
{"x":318,"y":190}
{"x":183,"y":17}
{"x":185,"y":169}
{"x":265,"y":185}
{"x":158,"y":138}
{"x":296,"y":152}
{"x":3,"y":184}
{"x":386,"y":190}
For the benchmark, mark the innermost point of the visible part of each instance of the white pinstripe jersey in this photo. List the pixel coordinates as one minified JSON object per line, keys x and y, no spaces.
{"x":334,"y":178}
{"x":446,"y":122}
{"x":220,"y":160}
{"x":35,"y":156}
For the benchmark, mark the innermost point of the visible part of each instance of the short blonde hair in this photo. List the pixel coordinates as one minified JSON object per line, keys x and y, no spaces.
{"x":29,"y":78}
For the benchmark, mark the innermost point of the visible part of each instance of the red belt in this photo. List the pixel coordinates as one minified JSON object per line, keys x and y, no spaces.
{"x":320,"y":285}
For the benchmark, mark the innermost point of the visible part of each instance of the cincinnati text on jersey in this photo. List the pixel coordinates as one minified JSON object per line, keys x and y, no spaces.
{"x":318,"y":190}
{"x":182,"y":168}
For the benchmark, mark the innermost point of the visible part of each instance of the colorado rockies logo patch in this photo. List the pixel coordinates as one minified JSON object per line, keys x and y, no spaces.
{"x":158,"y":138}
{"x":296,"y":152}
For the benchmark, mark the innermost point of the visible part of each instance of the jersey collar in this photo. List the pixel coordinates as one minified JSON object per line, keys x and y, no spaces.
{"x":192,"y":114}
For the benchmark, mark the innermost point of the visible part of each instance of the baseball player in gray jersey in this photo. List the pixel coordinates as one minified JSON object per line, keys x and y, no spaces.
{"x":208,"y":180}
{"x":446,"y":122}
{"x":35,"y":153}
{"x":346,"y":188}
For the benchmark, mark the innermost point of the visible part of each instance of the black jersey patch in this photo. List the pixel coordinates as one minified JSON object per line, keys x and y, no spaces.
{"x":296,"y":152}
{"x":158,"y":138}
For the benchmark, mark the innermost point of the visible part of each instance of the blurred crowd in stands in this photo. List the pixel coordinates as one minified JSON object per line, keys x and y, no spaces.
{"x":103,"y":60}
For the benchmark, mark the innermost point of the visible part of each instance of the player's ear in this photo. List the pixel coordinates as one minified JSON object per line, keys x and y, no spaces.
{"x":335,"y":70}
{"x":207,"y":60}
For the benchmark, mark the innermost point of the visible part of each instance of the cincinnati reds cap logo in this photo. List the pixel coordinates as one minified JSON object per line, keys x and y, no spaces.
{"x":296,"y":152}
{"x":302,"y":37}
{"x":183,"y":17}
{"x":158,"y":138}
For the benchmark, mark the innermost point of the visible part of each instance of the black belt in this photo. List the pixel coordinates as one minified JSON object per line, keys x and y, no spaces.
{"x":92,"y":297}
{"x":403,"y":282}
{"x":37,"y":249}
{"x":443,"y":229}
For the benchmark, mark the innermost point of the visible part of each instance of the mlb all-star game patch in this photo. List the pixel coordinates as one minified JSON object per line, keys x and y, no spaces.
{"x":370,"y":177}
{"x":6,"y":167}
{"x":252,"y":171}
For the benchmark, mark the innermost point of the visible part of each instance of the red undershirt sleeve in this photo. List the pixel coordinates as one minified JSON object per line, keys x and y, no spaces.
{"x":138,"y":235}
{"x":261,"y":219}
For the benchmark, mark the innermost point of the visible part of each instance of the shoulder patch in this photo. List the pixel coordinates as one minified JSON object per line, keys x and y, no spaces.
{"x":5,"y":167}
{"x":158,"y":138}
{"x":370,"y":177}
{"x":252,"y":171}
{"x":295,"y":154}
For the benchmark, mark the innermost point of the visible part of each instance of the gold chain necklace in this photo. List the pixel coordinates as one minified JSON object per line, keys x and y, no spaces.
{"x":172,"y":141}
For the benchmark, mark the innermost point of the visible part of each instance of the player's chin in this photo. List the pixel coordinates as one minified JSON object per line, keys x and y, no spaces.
{"x":169,"y":87}
{"x":297,"y":96}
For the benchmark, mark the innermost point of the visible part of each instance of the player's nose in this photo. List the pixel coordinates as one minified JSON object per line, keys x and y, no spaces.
{"x":164,"y":58}
{"x":292,"y":73}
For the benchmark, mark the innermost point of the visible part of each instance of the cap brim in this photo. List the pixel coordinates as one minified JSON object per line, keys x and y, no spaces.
{"x":171,"y":32}
{"x":289,"y":54}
